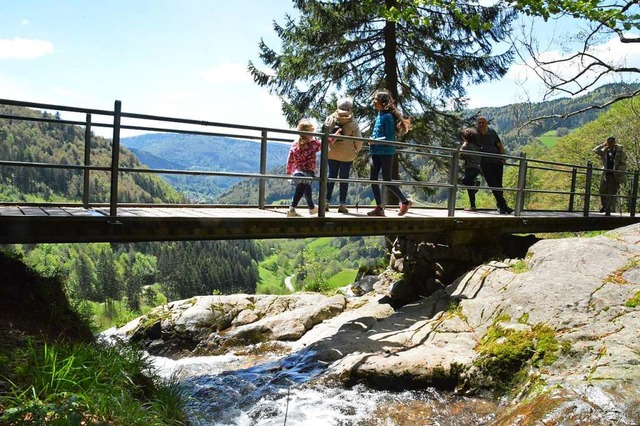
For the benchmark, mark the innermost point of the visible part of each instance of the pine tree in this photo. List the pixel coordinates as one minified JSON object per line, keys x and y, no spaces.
{"x":424,"y":54}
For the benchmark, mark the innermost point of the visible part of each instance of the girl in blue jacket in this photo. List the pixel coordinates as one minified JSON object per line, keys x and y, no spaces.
{"x":385,"y":129}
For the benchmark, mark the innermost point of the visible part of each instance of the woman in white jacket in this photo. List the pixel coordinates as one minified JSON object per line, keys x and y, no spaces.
{"x":342,"y":152}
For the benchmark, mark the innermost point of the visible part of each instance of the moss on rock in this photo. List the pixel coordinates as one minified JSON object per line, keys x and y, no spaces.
{"x":506,"y":349}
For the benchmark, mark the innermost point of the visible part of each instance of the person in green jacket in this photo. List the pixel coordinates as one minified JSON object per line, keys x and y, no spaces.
{"x":614,"y":163}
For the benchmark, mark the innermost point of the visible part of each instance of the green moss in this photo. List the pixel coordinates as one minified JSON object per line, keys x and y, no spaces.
{"x":453,"y":306}
{"x":565,"y":348}
{"x":502,"y":318}
{"x":519,"y":267}
{"x":634,"y":301}
{"x":152,"y":318}
{"x":505,"y":353}
{"x":524,"y":318}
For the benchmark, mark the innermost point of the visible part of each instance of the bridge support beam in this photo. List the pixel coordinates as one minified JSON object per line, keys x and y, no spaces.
{"x":432,"y":264}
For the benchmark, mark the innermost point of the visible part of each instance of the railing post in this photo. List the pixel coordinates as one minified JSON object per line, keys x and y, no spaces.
{"x":263,"y":170}
{"x":634,"y":194}
{"x":587,"y":190}
{"x":522,"y":182}
{"x":324,"y":157}
{"x":115,"y":159}
{"x":453,"y":181}
{"x":574,"y":177}
{"x":87,"y":162}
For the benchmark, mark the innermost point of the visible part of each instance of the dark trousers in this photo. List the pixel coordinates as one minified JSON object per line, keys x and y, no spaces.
{"x":383,"y":163}
{"x":303,"y":187}
{"x":492,"y":172}
{"x":608,"y":189}
{"x":469,"y":179}
{"x":339,"y":169}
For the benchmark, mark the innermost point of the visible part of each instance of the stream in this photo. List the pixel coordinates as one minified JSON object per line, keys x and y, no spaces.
{"x":269,"y":390}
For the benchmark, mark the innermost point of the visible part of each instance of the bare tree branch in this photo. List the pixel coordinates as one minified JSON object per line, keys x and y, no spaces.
{"x":587,"y":68}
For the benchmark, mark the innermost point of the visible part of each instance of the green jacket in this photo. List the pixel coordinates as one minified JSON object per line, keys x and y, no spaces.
{"x":619,"y":161}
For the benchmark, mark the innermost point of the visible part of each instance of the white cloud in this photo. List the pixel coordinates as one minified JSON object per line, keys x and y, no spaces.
{"x":521,"y":83}
{"x":228,"y":73}
{"x":612,"y":53}
{"x":19,"y":48}
{"x":25,"y":22}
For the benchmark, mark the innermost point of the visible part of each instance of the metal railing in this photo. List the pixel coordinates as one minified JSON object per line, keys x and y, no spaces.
{"x":578,"y":176}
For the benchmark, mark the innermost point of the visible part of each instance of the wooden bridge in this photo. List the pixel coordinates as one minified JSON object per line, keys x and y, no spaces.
{"x":38,"y":224}
{"x":114,"y":221}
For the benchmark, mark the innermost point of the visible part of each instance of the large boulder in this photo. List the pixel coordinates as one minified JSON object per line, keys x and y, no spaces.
{"x":215,"y":324}
{"x":574,"y":295}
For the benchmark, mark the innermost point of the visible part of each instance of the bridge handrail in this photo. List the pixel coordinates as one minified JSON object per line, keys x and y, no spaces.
{"x":451,"y":154}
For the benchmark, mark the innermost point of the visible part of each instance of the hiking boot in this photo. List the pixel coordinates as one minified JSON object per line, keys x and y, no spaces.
{"x":505,"y":210}
{"x":343,"y":209}
{"x":404,"y":207}
{"x":313,"y":211}
{"x":326,"y":207}
{"x":293,"y":213}
{"x":378,"y":211}
{"x":603,"y":209}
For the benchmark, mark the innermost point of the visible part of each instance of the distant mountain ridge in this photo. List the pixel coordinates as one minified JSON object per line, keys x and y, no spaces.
{"x":198,"y":152}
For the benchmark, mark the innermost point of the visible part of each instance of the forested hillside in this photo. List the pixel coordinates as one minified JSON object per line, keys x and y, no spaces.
{"x":115,"y":278}
{"x":48,"y":142}
{"x":622,"y":121}
{"x":198,"y":152}
{"x":509,"y":120}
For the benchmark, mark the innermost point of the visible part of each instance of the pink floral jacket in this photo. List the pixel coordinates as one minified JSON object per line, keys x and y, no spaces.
{"x":302,"y":156}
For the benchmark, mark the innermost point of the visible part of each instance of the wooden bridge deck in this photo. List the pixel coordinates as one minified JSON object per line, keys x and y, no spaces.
{"x":42,"y":224}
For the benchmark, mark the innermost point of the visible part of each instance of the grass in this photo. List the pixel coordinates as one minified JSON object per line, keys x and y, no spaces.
{"x":322,"y":248}
{"x":52,"y":372}
{"x":342,"y":278}
{"x":78,"y":384}
{"x":270,"y":283}
{"x":549,"y":138}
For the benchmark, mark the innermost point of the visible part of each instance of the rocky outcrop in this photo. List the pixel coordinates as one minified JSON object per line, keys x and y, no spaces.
{"x":215,"y":324}
{"x":559,"y":329}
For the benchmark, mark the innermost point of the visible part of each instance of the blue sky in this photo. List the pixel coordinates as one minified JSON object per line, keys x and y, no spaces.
{"x":184,"y":58}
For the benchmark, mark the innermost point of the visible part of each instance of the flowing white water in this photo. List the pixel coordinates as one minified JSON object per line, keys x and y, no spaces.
{"x":243,"y":391}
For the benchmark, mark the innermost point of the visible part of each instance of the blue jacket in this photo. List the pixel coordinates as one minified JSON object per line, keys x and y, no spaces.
{"x":384,"y":128}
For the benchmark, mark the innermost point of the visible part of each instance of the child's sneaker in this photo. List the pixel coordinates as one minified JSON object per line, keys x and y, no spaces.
{"x":293,"y":213}
{"x":343,"y":209}
{"x":404,"y":207}
{"x":378,"y":211}
{"x":313,"y":211}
